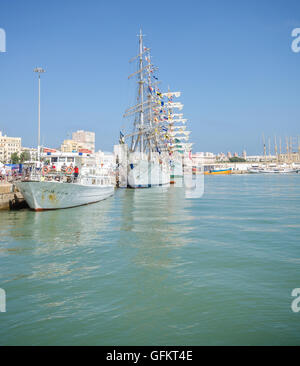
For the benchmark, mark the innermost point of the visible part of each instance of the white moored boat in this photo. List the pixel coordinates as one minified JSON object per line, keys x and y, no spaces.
{"x":54,"y":195}
{"x":273,"y":170}
{"x":50,"y":190}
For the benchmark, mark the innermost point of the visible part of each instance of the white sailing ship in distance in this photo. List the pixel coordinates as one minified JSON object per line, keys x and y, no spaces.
{"x":47,"y":189}
{"x":148,"y":159}
{"x":176,"y":136}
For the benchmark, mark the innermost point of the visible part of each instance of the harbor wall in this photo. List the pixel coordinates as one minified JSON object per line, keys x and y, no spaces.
{"x":10,"y":198}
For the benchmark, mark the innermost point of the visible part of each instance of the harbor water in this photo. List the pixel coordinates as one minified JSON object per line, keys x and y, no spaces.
{"x":151,"y":267}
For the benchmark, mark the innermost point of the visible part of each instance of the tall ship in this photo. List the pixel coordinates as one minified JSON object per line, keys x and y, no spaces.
{"x":64,"y":180}
{"x":148,"y":163}
{"x":173,"y":129}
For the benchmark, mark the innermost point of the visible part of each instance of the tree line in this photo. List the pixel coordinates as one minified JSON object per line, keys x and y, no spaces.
{"x":19,"y":159}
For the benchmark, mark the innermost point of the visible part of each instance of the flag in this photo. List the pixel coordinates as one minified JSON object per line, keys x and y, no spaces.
{"x":121,"y":140}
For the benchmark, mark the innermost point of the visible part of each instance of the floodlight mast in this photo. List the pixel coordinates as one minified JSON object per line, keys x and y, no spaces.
{"x":39,"y":71}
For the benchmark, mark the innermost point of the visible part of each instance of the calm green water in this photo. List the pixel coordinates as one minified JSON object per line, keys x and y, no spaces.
{"x":149,"y":267}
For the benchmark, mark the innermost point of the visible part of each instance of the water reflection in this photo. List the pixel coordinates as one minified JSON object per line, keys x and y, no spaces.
{"x":155,"y":221}
{"x":59,"y":228}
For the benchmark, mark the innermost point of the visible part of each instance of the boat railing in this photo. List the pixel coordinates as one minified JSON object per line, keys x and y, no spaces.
{"x":36,"y":174}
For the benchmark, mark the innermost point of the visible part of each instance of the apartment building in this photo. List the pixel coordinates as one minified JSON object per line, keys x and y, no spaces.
{"x":8,"y":146}
{"x":85,"y":138}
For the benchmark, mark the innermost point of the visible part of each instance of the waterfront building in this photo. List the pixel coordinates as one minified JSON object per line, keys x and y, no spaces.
{"x":8,"y":146}
{"x":261,"y":158}
{"x":71,"y":146}
{"x":74,"y":146}
{"x":85,"y":138}
{"x":292,"y":157}
{"x":31,"y":151}
{"x":200,"y":158}
{"x":221,"y":157}
{"x":254,"y":158}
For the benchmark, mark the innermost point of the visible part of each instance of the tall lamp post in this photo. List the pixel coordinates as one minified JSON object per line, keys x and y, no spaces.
{"x":39,"y":70}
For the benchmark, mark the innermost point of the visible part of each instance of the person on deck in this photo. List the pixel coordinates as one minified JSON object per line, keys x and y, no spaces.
{"x":63,"y":167}
{"x":76,"y":172}
{"x":2,"y":174}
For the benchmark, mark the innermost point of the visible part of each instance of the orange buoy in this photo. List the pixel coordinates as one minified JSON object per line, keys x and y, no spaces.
{"x":45,"y":170}
{"x":69,"y":170}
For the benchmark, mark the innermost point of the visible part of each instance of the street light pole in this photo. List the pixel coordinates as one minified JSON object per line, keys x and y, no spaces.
{"x":39,"y":70}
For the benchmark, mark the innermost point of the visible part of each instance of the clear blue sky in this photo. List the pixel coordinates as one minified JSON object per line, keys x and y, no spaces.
{"x":232,"y":60}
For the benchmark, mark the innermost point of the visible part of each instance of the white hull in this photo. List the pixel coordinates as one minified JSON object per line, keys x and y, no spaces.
{"x":265,"y":171}
{"x":176,"y":169}
{"x":55,"y":195}
{"x":146,"y":174}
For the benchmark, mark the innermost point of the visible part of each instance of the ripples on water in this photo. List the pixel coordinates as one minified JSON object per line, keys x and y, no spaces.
{"x":150,"y":267}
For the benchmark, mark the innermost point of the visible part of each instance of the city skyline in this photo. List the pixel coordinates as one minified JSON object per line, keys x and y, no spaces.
{"x":233,"y":63}
{"x":269,"y":147}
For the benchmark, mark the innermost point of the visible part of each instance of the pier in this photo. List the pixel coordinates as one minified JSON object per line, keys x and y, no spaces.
{"x":10,"y":198}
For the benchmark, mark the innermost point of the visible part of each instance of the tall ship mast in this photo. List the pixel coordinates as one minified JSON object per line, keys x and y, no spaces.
{"x":148,"y":157}
{"x":175,"y":134}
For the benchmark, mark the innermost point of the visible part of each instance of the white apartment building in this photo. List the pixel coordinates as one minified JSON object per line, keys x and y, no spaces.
{"x":71,"y":146}
{"x":32,"y":152}
{"x":260,"y":158}
{"x":85,"y":138}
{"x":204,"y":158}
{"x":8,"y":146}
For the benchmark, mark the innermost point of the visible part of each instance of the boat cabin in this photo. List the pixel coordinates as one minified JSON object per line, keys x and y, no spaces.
{"x":61,"y":159}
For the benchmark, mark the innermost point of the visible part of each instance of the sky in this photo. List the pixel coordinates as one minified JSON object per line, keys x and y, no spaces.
{"x":232,"y":61}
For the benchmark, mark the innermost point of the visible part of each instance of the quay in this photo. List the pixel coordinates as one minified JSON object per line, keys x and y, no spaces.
{"x":10,"y":198}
